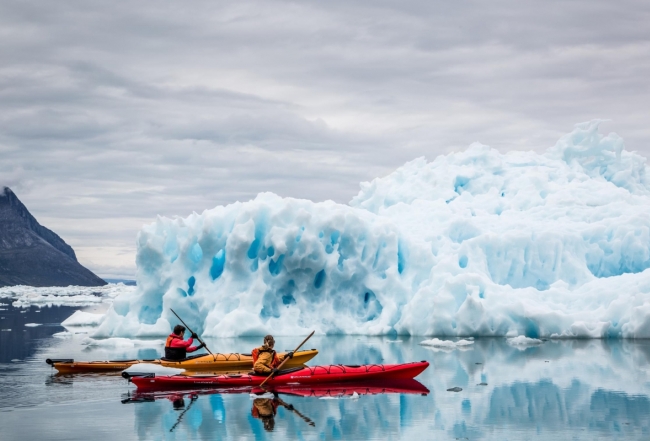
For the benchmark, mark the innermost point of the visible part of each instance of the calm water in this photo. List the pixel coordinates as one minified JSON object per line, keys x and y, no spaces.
{"x":580,"y":390}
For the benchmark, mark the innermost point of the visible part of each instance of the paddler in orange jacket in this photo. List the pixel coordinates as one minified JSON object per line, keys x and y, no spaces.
{"x":176,"y":348}
{"x":265,"y":410}
{"x":265,"y":359}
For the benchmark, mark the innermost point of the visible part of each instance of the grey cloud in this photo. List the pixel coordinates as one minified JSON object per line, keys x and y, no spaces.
{"x":112,"y":113}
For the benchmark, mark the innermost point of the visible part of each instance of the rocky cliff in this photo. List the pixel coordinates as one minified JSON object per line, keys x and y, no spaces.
{"x":30,"y":254}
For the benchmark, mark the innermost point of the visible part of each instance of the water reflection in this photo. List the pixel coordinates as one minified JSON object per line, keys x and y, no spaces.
{"x":576,"y":389}
{"x":21,"y":328}
{"x":265,"y":410}
{"x":264,"y":407}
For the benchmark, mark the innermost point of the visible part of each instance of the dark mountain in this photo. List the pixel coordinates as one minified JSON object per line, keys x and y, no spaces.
{"x":30,"y":254}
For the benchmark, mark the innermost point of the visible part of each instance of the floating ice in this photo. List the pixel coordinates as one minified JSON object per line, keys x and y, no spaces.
{"x":120,"y":342}
{"x":436,"y":343}
{"x":521,"y":340}
{"x":475,"y":243}
{"x":33,"y":325}
{"x":151,"y":368}
{"x":25,"y":296}
{"x":82,"y":318}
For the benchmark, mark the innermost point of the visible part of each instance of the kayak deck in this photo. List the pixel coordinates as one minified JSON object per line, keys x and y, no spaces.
{"x":195,"y":363}
{"x":296,"y":376}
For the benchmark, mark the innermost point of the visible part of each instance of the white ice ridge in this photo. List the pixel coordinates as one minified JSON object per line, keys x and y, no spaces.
{"x":475,"y":243}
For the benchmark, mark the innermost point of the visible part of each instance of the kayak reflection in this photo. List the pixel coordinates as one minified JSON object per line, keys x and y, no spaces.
{"x":265,"y":403}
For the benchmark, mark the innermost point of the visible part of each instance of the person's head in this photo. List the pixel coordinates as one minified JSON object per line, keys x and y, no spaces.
{"x":269,"y":341}
{"x":179,"y":329}
{"x":269,"y":423}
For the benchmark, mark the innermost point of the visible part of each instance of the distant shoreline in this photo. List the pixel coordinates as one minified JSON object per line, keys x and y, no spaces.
{"x":127,"y":282}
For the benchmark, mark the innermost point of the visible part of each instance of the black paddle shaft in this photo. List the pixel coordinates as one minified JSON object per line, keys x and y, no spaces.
{"x":188,"y":328}
{"x":294,"y":410}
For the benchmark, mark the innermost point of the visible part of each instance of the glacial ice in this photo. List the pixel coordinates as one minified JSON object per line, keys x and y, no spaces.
{"x":151,"y":368}
{"x":449,"y":344}
{"x":26,"y":296}
{"x":474,"y":243}
{"x":82,"y":318}
{"x":520,"y":340}
{"x":119,"y":342}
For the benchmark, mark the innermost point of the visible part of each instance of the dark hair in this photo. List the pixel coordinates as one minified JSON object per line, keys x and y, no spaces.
{"x":269,"y":423}
{"x":178,"y":329}
{"x":269,"y":339}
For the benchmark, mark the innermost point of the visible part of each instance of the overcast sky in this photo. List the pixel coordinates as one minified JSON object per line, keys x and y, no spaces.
{"x":114,"y":112}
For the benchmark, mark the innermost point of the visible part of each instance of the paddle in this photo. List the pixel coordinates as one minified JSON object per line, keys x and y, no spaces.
{"x":180,"y":417}
{"x":287,"y":358}
{"x":294,"y":410}
{"x":197,"y":336}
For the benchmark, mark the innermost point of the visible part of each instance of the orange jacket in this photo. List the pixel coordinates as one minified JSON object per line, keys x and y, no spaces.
{"x":265,"y":359}
{"x":264,"y":407}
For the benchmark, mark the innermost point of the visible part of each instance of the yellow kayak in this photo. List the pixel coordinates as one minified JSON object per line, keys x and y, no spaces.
{"x":203,"y":362}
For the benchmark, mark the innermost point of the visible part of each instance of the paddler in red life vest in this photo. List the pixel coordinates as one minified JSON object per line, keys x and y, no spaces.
{"x":176,"y":348}
{"x":265,"y":359}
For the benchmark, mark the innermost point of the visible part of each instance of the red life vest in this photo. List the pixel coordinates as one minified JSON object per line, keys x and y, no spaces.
{"x":174,"y":353}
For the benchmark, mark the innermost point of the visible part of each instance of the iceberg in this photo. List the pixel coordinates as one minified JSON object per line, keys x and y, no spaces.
{"x":473,"y":243}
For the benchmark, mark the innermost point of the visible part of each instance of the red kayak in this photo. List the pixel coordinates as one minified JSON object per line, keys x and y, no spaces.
{"x":297,"y":376}
{"x":332,"y":390}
